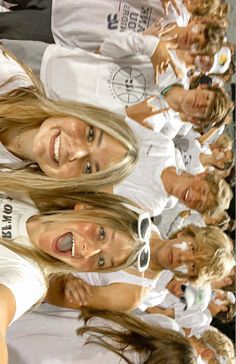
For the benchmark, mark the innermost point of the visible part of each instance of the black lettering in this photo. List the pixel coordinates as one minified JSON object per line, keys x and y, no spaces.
{"x":7,"y":209}
{"x":8,"y":227}
{"x":7,"y":235}
{"x":6,"y":218}
{"x":112,"y":20}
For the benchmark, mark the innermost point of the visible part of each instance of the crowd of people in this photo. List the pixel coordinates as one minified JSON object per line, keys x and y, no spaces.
{"x":117,"y":180}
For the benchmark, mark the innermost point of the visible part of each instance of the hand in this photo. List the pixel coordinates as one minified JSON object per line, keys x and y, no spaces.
{"x":184,"y":214}
{"x":161,"y":59}
{"x":143,"y":110}
{"x":159,"y":30}
{"x":165,"y":4}
{"x":77,"y":291}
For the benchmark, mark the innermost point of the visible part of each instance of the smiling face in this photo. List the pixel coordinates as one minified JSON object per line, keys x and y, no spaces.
{"x":194,"y":192}
{"x":196,"y":103}
{"x":83,"y":245}
{"x":181,"y":255}
{"x":66,"y":147}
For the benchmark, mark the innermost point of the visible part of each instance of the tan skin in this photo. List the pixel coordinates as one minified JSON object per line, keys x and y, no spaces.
{"x":191,"y":104}
{"x":193,"y":191}
{"x":82,"y":148}
{"x":73,"y":292}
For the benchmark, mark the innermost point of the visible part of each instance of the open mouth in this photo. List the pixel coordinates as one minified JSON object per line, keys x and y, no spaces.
{"x":56,"y":148}
{"x":66,"y":244}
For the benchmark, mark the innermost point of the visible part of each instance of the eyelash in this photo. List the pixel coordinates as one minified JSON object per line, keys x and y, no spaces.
{"x":91,"y":134}
{"x":101,"y":261}
{"x":88,"y":168}
{"x":102,"y":233}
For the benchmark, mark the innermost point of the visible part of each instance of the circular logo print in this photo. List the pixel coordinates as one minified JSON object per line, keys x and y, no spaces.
{"x":129,"y":85}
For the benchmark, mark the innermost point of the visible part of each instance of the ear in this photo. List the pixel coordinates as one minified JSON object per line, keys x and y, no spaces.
{"x":208,"y":354}
{"x":79,"y":206}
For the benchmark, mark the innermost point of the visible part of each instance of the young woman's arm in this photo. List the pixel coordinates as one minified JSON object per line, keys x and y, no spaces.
{"x":73,"y":292}
{"x":162,"y":311}
{"x":7,"y":311}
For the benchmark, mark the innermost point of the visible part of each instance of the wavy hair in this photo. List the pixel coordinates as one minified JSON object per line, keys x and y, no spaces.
{"x":155,"y":345}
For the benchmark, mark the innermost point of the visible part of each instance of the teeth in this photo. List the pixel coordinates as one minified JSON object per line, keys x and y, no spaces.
{"x":57,"y":147}
{"x":73,"y":246}
{"x":186,"y":195}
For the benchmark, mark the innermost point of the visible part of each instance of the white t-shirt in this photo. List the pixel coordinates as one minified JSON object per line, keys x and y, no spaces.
{"x":10,"y":68}
{"x":191,"y":149}
{"x":192,"y":318}
{"x":86,"y":23}
{"x":23,"y":277}
{"x":170,"y":222}
{"x":158,"y":293}
{"x":121,"y":75}
{"x":47,"y":336}
{"x":144,"y":185}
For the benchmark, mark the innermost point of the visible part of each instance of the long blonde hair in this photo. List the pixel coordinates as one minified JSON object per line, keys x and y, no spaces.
{"x":105,"y":210}
{"x":155,"y":344}
{"x":29,"y":106}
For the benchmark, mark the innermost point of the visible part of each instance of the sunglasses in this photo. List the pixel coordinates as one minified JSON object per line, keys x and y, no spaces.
{"x":144,"y":229}
{"x":144,"y":233}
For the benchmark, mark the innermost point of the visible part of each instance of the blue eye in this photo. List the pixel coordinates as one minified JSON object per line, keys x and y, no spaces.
{"x":91,"y":134}
{"x":88,"y":168}
{"x":102,"y":233}
{"x":101,"y":261}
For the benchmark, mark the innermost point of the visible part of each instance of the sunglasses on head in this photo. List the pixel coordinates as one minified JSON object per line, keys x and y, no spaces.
{"x":144,"y":234}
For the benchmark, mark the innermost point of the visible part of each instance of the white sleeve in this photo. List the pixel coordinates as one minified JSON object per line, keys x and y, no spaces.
{"x":126,"y":44}
{"x":24,"y":279}
{"x":193,"y":320}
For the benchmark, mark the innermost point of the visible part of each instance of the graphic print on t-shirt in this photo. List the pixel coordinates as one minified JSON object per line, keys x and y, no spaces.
{"x":129,"y":18}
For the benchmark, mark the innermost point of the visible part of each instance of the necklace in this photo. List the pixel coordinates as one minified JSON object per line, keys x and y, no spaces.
{"x":19,"y":147}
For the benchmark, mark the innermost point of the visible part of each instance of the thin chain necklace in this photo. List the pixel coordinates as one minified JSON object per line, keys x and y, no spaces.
{"x":19,"y":147}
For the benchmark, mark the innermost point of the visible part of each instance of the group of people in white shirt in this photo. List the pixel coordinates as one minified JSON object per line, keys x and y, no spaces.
{"x":114,"y":196}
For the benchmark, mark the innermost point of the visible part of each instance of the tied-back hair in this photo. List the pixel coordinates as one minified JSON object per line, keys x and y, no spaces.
{"x":29,"y":106}
{"x":154,"y":344}
{"x":102,"y":209}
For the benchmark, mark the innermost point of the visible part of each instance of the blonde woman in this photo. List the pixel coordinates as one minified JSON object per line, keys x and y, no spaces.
{"x":91,"y":147}
{"x":33,"y":245}
{"x":196,"y":254}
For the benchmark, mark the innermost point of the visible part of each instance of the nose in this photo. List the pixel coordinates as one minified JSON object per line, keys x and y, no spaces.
{"x":186,"y":257}
{"x":87,"y":248}
{"x":78,"y":152}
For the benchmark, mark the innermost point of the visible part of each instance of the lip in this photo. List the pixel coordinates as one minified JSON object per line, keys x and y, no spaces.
{"x":51,"y":148}
{"x":170,"y":257}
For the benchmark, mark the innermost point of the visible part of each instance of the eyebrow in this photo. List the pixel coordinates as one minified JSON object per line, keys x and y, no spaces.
{"x":100,"y":138}
{"x":99,"y":142}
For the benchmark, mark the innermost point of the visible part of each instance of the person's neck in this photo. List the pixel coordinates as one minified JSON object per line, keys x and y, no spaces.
{"x":18,"y":141}
{"x":169,"y":178}
{"x":174,"y":97}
